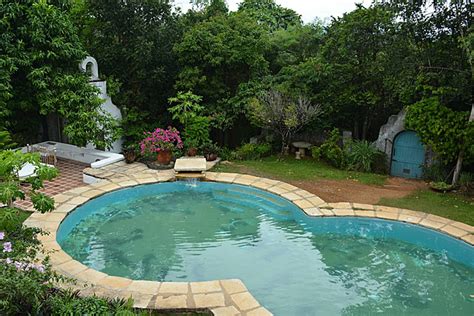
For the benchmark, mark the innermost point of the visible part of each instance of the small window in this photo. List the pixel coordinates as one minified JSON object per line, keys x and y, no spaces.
{"x":406,"y":171}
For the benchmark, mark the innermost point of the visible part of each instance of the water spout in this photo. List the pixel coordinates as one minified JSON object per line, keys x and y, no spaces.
{"x":191,"y":182}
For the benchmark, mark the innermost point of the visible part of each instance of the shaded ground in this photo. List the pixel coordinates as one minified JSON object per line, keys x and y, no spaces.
{"x":354,"y":191}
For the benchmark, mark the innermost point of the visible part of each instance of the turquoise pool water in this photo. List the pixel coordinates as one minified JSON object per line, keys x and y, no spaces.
{"x":292,"y":264}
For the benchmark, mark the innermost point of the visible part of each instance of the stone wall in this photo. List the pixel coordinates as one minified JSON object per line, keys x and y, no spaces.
{"x":89,"y":64}
{"x":388,"y":132}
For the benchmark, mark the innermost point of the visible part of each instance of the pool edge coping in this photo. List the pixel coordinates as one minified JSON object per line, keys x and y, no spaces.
{"x":222,"y":297}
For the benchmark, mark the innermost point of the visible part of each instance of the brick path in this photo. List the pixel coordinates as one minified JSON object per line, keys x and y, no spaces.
{"x":70,"y":177}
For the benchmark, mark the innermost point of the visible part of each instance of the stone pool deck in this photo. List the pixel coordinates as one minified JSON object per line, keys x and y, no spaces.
{"x":222,"y":297}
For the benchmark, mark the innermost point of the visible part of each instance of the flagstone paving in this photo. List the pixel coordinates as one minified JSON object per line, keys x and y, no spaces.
{"x":222,"y":297}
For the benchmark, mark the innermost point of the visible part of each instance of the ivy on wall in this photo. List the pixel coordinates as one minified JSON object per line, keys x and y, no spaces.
{"x":446,"y":131}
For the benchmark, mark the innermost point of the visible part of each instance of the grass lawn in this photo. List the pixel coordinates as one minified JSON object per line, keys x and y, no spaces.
{"x":289,"y":168}
{"x":450,"y":205}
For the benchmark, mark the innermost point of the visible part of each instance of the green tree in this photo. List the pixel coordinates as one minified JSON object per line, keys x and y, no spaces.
{"x":186,"y":107}
{"x":39,"y":54}
{"x":218,"y":56}
{"x":187,"y":111}
{"x":270,"y":14}
{"x":356,"y":52}
{"x":294,"y":45}
{"x":133,"y":41}
{"x":282,"y":115}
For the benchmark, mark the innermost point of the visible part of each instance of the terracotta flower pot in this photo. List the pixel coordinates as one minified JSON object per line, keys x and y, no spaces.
{"x":164,"y":157}
{"x":130,"y":156}
{"x":192,"y":152}
{"x":211,"y":157}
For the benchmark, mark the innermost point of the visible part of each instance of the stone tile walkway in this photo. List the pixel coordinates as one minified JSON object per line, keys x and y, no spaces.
{"x":222,"y":297}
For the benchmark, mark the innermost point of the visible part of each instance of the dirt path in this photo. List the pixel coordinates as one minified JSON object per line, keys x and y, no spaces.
{"x":353,"y":191}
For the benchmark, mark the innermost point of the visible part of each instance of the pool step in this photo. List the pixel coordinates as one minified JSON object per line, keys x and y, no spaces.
{"x":237,"y":202}
{"x":190,"y":175}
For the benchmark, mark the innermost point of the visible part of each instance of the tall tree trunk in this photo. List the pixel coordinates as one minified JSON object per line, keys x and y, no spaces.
{"x":457,"y":170}
{"x":468,"y":48}
{"x":365,"y":128}
{"x":356,"y":130}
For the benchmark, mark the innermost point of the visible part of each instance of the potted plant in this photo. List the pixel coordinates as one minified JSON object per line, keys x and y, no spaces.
{"x":192,"y":149}
{"x":130,"y":153}
{"x":161,"y":142}
{"x":210,"y":151}
{"x":442,"y":187}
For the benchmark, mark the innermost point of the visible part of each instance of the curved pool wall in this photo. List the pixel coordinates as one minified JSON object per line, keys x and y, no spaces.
{"x":414,"y":234}
{"x":294,"y":264}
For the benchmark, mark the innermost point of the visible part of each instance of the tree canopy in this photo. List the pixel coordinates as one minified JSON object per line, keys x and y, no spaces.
{"x":361,"y":67}
{"x":216,"y":57}
{"x":39,"y":53}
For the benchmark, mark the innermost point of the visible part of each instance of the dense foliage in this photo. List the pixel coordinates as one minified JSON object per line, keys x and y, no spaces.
{"x":12,"y":188}
{"x":39,"y":53}
{"x":330,"y":151}
{"x":217,"y":57}
{"x":133,"y":41}
{"x":446,"y":131}
{"x":363,"y":156}
{"x":28,"y":286}
{"x":360,"y":68}
{"x":252,"y":151}
{"x":355,"y":155}
{"x":282,"y":115}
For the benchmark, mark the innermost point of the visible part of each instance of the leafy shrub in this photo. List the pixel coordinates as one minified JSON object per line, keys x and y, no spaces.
{"x":210,"y":148}
{"x":380,"y":164}
{"x":186,"y":107}
{"x":466,"y":182}
{"x":134,"y":124}
{"x":28,"y":286}
{"x":361,"y":156}
{"x":196,"y":132}
{"x":24,"y":282}
{"x":11,"y":188}
{"x":436,"y":172}
{"x":187,"y":111}
{"x":6,"y":141}
{"x":227,"y":154}
{"x":330,"y":151}
{"x":70,"y":303}
{"x":441,"y":186}
{"x":253,"y":151}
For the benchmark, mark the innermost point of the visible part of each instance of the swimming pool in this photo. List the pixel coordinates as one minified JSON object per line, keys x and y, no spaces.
{"x":293,"y":264}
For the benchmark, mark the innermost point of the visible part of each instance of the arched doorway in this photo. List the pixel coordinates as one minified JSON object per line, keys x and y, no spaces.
{"x":408,"y":156}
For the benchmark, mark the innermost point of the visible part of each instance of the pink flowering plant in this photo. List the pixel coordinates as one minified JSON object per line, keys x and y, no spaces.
{"x":26,"y":281}
{"x":161,"y":140}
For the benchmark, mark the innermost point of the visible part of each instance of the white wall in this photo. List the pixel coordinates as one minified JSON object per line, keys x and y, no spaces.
{"x":107,"y":106}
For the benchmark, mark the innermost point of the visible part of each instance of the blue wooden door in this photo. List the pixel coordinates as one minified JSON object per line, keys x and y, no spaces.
{"x":408,"y":156}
